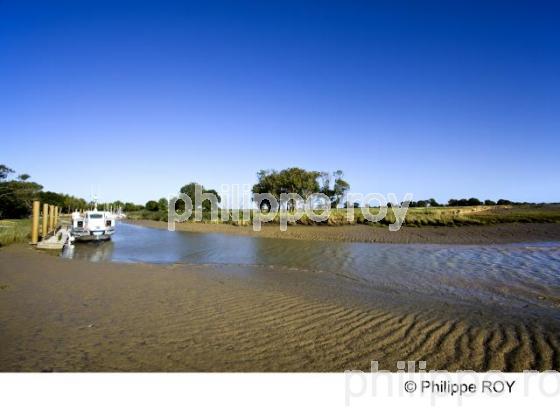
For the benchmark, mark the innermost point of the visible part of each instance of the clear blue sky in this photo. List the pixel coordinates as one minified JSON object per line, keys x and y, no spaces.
{"x":441,"y":99}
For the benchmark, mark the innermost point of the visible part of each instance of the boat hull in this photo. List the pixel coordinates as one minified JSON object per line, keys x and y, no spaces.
{"x":83,"y":235}
{"x":92,"y":238}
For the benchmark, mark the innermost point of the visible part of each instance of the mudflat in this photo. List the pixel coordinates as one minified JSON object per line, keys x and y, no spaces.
{"x":465,"y":235}
{"x":75,"y":315}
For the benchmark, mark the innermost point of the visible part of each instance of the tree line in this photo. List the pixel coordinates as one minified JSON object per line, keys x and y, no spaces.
{"x":465,"y":202}
{"x":290,"y":180}
{"x":17,"y":194}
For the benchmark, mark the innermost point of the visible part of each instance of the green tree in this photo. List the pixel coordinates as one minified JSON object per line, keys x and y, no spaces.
{"x":190,"y":190}
{"x":302,"y":182}
{"x":458,"y":202}
{"x":52,"y":198}
{"x":504,"y":202}
{"x":474,"y":202}
{"x":290,"y":180}
{"x":339,"y":188}
{"x":130,"y":207}
{"x":16,"y":198}
{"x":152,"y":206}
{"x":163,"y":204}
{"x":5,"y":171}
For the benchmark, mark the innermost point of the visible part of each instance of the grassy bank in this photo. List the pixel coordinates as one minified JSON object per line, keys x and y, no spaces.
{"x":14,"y":231}
{"x":431,"y":216}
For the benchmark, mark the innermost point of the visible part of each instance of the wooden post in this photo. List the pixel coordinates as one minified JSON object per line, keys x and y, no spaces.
{"x":51,"y":218}
{"x":55,"y":217}
{"x":45,"y":230}
{"x":35,"y":223}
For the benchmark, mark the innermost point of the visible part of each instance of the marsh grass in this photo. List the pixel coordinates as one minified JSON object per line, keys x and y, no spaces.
{"x":521,"y":213}
{"x":415,"y":217}
{"x":14,"y":231}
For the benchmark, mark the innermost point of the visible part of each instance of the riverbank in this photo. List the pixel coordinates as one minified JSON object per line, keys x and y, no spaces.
{"x":467,"y":235}
{"x":74,"y":315}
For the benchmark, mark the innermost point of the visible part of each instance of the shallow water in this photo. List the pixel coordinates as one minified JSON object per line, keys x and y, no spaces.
{"x":521,"y":275}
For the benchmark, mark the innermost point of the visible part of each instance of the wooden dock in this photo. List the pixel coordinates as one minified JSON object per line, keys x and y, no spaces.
{"x":56,"y":241}
{"x":53,"y":236}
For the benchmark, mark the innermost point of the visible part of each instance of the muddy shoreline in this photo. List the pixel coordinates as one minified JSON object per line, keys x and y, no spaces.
{"x":74,"y":315}
{"x":462,"y":235}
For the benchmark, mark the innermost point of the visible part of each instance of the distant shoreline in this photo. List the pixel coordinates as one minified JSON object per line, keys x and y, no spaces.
{"x":461,"y":235}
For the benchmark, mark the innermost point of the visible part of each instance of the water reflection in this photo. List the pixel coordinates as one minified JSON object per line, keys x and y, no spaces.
{"x":91,"y":251}
{"x":133,"y":243}
{"x":523,"y":273}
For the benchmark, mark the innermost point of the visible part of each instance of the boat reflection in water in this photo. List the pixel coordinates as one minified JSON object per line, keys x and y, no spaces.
{"x":91,"y":251}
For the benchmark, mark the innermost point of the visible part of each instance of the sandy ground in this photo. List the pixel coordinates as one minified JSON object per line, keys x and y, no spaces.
{"x":471,"y":235}
{"x":72,"y":315}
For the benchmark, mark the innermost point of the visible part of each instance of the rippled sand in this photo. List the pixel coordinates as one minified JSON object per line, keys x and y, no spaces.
{"x":71,"y":315}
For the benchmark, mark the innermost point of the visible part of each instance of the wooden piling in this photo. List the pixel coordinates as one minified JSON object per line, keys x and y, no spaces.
{"x":51,"y":218}
{"x":35,"y":223}
{"x":55,"y":216}
{"x":45,"y":229}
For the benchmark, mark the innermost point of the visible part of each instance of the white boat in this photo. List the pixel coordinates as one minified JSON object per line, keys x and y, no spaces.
{"x":93,"y":225}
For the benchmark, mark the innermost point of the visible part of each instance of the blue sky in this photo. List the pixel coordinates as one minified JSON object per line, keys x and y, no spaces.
{"x":441,"y":99}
